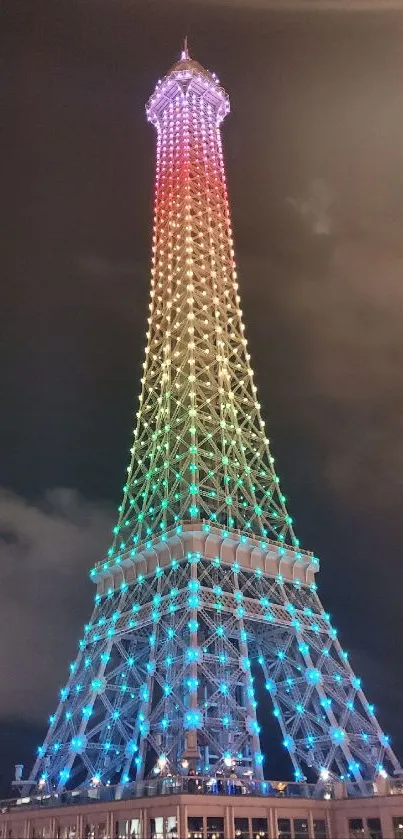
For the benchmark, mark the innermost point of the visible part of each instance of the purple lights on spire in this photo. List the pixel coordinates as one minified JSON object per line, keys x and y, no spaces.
{"x":187,"y":81}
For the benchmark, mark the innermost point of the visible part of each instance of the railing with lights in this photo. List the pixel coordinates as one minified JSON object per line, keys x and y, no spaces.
{"x":190,"y":524}
{"x":198,"y":785}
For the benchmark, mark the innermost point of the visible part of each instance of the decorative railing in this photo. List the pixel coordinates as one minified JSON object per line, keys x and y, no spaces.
{"x":170,"y":786}
{"x":200,"y":785}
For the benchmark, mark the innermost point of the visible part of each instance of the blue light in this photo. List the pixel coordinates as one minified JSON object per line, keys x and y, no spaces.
{"x":193,"y":719}
{"x":338,"y":735}
{"x":354,"y":767}
{"x":289,"y":744}
{"x":313,"y":676}
{"x":193,"y":601}
{"x":192,"y":654}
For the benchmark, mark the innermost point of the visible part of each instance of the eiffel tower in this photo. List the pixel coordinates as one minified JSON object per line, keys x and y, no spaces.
{"x":205,"y":598}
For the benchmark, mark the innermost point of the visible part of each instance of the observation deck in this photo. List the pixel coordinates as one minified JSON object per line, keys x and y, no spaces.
{"x":208,"y":808}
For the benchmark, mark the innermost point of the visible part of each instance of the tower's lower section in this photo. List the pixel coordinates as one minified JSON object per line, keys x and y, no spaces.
{"x":172,"y":671}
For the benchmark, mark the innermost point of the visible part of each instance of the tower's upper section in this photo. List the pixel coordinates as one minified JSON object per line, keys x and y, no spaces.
{"x":186,"y":80}
{"x":200,"y":451}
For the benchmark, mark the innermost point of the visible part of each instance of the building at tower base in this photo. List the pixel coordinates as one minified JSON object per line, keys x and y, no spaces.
{"x":192,"y":809}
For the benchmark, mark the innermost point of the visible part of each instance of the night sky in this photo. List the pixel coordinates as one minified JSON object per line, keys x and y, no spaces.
{"x":314,"y":153}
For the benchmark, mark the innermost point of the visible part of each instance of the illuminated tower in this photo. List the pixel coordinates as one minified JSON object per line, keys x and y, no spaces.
{"x":205,"y":598}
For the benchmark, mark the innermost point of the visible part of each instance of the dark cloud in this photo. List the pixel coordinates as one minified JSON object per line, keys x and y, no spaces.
{"x":46,"y":550}
{"x":350,"y":320}
{"x":315,"y":207}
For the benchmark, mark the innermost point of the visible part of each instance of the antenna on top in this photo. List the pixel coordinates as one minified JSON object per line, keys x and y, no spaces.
{"x":185,"y":52}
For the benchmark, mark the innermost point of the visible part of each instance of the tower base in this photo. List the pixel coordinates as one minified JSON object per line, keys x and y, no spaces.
{"x":153,"y":811}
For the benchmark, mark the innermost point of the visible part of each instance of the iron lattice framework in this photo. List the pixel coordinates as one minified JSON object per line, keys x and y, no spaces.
{"x":205,"y":592}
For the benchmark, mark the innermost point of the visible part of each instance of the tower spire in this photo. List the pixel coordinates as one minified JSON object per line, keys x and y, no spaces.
{"x":185,"y":56}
